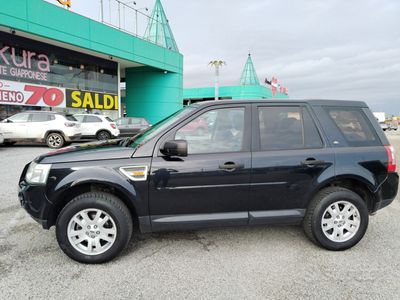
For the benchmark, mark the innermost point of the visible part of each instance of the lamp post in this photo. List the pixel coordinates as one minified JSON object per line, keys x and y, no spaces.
{"x":217,"y":64}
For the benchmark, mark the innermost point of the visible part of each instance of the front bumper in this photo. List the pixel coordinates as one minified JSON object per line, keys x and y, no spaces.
{"x":387,"y":192}
{"x":33,"y":199}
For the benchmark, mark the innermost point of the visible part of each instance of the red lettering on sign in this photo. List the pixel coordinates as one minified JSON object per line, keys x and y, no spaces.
{"x":37,"y":91}
{"x":51,"y":96}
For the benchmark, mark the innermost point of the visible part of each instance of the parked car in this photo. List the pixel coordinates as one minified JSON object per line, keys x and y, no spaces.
{"x":97,"y":126}
{"x":324,"y":164}
{"x":130,"y":126}
{"x":53,"y":128}
{"x":384,"y":126}
{"x":393,"y":126}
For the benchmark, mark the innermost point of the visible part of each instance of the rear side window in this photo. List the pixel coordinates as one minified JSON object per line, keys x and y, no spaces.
{"x":108,"y":119}
{"x":91,"y":119}
{"x":354,"y":125}
{"x":287,"y":128}
{"x":70,"y":118}
{"x":40,"y":117}
{"x":135,"y":121}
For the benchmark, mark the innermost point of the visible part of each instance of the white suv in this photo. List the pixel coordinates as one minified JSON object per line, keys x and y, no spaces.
{"x":55,"y":129}
{"x":97,"y":126}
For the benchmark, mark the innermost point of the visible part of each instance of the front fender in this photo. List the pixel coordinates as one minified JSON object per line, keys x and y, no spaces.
{"x":135,"y":193}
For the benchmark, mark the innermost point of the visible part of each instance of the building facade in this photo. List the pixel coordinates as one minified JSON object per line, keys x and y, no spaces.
{"x":54,"y":59}
{"x":249,"y":88}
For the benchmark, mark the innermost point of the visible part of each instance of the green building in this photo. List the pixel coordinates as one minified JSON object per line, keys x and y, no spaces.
{"x":54,"y":59}
{"x":248,"y":88}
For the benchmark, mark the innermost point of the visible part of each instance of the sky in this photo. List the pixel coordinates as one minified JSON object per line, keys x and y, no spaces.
{"x":326,"y":49}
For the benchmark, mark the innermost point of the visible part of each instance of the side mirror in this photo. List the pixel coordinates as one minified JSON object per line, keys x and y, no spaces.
{"x":175,"y":148}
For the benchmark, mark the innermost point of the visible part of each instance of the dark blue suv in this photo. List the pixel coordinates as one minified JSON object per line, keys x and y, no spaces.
{"x":324,"y":164}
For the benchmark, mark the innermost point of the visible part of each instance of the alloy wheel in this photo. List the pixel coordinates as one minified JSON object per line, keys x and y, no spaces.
{"x":340,"y":221}
{"x":92,"y":231}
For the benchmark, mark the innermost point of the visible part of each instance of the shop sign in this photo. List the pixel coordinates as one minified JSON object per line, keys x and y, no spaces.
{"x":20,"y":93}
{"x":29,"y":64}
{"x":65,"y":2}
{"x":91,"y":100}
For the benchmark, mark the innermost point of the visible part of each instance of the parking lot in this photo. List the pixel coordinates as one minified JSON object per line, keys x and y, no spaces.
{"x":258,"y":262}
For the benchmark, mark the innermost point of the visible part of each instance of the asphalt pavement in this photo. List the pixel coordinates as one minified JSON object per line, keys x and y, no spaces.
{"x":274,"y":262}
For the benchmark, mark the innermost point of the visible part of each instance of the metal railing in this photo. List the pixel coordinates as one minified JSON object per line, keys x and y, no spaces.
{"x":125,"y":15}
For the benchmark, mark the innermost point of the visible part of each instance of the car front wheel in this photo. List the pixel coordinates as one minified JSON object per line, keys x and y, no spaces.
{"x":336,"y":219}
{"x":94,"y":227}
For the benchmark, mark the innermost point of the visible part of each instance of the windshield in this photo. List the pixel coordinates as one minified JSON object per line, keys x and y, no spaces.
{"x":151,"y":132}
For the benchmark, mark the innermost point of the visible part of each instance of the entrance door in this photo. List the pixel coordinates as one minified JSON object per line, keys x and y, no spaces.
{"x":289,"y":158}
{"x":211,"y":185}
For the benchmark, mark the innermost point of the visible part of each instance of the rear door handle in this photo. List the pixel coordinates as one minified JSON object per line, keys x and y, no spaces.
{"x":231,"y":166}
{"x":312,"y":162}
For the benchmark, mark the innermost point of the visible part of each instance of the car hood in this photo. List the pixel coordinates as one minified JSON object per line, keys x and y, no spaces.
{"x":102,"y":150}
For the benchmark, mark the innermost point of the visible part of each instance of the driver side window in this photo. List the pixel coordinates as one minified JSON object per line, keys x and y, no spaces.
{"x":215,"y":131}
{"x":19,"y":118}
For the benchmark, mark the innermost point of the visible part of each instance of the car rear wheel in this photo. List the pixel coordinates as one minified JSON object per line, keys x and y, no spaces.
{"x":103,"y":135}
{"x":94,"y":227}
{"x":55,"y":140}
{"x":336,"y":219}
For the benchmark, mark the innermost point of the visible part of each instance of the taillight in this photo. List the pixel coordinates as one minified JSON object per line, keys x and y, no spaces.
{"x":69,"y":124}
{"x":113,"y":126}
{"x":391,"y":158}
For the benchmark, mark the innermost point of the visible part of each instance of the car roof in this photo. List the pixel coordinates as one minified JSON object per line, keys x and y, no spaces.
{"x":94,"y":115}
{"x":312,"y":102}
{"x":45,"y":112}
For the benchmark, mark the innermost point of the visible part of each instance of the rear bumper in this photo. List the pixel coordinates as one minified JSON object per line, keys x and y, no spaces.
{"x":387,"y":192}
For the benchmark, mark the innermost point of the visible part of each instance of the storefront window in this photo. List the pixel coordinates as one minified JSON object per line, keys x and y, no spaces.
{"x":35,"y":75}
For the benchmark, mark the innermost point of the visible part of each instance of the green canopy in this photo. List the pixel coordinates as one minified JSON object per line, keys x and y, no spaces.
{"x":158,"y":30}
{"x":249,"y":75}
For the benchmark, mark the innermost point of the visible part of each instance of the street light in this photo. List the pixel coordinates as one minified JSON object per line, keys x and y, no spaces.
{"x":217,"y":64}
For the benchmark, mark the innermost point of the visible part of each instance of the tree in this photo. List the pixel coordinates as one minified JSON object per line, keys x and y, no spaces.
{"x":217,"y":64}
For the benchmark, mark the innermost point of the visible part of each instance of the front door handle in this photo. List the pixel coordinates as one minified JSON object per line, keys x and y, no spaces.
{"x":231,"y":166}
{"x":310,"y":162}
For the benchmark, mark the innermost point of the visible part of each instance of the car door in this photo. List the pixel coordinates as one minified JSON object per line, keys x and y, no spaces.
{"x":289,"y":159}
{"x":15,"y":127}
{"x":39,"y":124}
{"x":90,"y":125}
{"x":210,"y":186}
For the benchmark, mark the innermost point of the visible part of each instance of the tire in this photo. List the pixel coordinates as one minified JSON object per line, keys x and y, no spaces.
{"x":348,"y":226}
{"x":116,"y":230}
{"x":8,"y":143}
{"x":103,"y":135}
{"x":55,"y":140}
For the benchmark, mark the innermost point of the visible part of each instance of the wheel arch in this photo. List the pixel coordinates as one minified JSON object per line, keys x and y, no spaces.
{"x":54,"y":131}
{"x":103,"y":129}
{"x":359,"y":185}
{"x":73,"y":190}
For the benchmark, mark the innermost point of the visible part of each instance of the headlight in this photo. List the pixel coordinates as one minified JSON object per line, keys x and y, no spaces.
{"x":37,"y":173}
